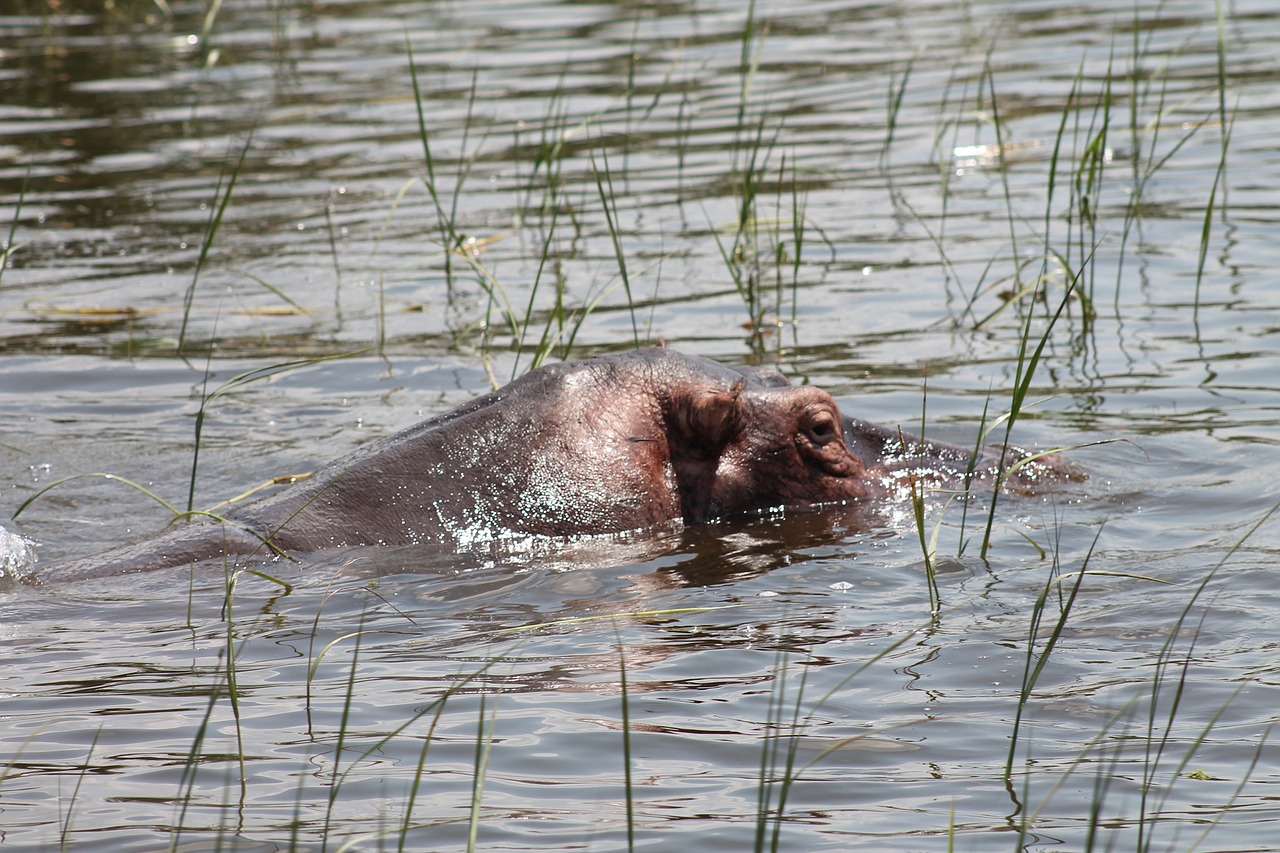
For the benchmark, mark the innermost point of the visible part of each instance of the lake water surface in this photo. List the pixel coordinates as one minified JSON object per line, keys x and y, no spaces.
{"x":883,"y":199}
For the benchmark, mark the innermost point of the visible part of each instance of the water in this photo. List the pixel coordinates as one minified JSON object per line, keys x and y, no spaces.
{"x":119,"y":135}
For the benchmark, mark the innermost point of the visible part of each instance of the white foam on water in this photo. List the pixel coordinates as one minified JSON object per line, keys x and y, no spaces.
{"x":17,"y":556}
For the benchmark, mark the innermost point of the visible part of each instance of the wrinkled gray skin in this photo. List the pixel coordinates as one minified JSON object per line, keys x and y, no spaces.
{"x":606,"y":445}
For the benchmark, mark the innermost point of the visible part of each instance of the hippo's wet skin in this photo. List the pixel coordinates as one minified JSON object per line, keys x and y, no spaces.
{"x":605,"y":445}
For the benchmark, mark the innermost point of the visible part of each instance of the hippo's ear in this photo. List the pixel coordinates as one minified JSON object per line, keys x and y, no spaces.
{"x":702,"y":422}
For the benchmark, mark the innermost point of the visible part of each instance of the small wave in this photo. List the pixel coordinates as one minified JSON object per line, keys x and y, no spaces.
{"x":17,"y":556}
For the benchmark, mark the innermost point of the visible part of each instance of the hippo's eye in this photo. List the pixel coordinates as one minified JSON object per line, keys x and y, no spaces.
{"x":821,"y":428}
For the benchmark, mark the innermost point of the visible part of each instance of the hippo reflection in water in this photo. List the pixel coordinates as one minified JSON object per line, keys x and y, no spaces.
{"x":605,"y":445}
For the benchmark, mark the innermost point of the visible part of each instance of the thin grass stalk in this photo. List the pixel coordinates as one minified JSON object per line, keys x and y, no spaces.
{"x":1020,"y":812}
{"x":1026,"y":368}
{"x":1136,"y":58}
{"x":427,"y":158}
{"x":633,"y":56}
{"x":333,"y":253}
{"x":238,"y":381}
{"x":769,"y":752}
{"x":1160,"y":678}
{"x":465,"y":172}
{"x":552,"y":138}
{"x":1154,"y":165}
{"x":750,"y":181}
{"x":576,"y":319}
{"x":1106,"y":769}
{"x":1141,"y":49}
{"x":1092,"y":170}
{"x":945,"y":157}
{"x":1149,"y":814}
{"x":1206,"y":230}
{"x":893,"y":109}
{"x":1012,"y":218}
{"x":1235,"y":794}
{"x":944,"y":153}
{"x":96,"y":475}
{"x":196,"y":443}
{"x":937,"y":239}
{"x":928,"y":549}
{"x":1022,"y":382}
{"x":1178,"y":771}
{"x":628,"y":782}
{"x":446,"y":221}
{"x":789,"y":775}
{"x":798,"y":215}
{"x":1102,"y":780}
{"x":746,"y":237}
{"x":660,"y":92}
{"x":416,"y":785}
{"x":295,"y":823}
{"x":6,"y":255}
{"x":313,"y":659}
{"x":557,"y":313}
{"x":1206,"y":227}
{"x":435,"y":709}
{"x":187,"y":779}
{"x":859,"y":669}
{"x":683,"y":130}
{"x":1163,"y":661}
{"x":382,"y":324}
{"x":609,"y":204}
{"x":1220,"y":13}
{"x":928,"y":546}
{"x":496,"y":295}
{"x":64,"y":831}
{"x":749,"y":65}
{"x":231,"y":576}
{"x":484,"y":735}
{"x":1051,"y":181}
{"x":216,"y":212}
{"x":1104,"y":775}
{"x":779,"y":249}
{"x":971,"y":469}
{"x":748,"y":177}
{"x":337,"y":776}
{"x":206,"y":26}
{"x":1034,"y":664}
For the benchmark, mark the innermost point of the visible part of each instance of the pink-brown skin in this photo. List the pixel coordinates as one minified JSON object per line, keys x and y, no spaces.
{"x":611,"y":444}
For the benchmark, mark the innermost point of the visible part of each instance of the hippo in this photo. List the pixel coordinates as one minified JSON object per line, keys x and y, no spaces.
{"x":599,"y":446}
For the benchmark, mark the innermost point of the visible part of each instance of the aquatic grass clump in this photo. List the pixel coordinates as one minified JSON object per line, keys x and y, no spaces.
{"x":574,"y":180}
{"x":1142,"y":755}
{"x":1104,"y":205}
{"x":1072,"y":241}
{"x":1152,"y":748}
{"x":561,"y":321}
{"x":1037,"y":295}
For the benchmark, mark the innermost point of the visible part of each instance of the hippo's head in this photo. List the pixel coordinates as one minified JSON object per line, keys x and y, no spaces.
{"x":760,"y":445}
